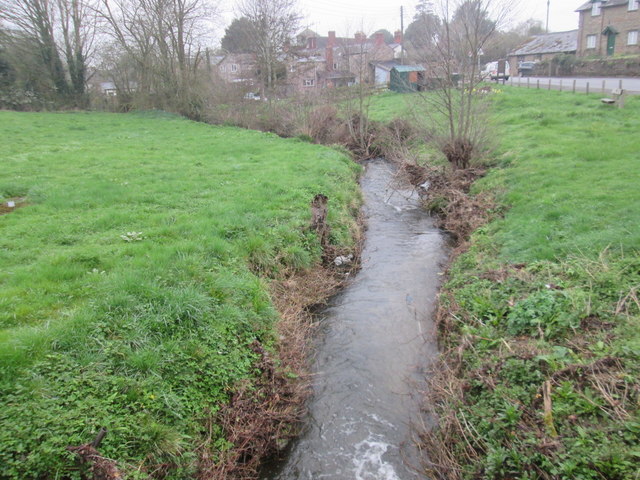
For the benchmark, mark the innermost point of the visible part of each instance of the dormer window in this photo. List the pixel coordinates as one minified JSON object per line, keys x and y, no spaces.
{"x":633,"y":5}
{"x":595,"y":8}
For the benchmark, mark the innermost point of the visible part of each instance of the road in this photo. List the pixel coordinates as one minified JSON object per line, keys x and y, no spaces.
{"x":602,"y":85}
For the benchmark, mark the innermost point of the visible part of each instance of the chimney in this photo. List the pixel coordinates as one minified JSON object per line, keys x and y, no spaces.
{"x":360,"y":37}
{"x":311,"y":43}
{"x":379,"y":39}
{"x":397,"y":37}
{"x":332,"y":39}
{"x":329,"y":59}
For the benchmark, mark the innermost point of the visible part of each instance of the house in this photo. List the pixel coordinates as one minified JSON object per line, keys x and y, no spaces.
{"x":312,"y":62}
{"x":608,"y":27}
{"x":397,"y":44}
{"x":238,"y":68}
{"x":108,"y":89}
{"x":544,"y":47}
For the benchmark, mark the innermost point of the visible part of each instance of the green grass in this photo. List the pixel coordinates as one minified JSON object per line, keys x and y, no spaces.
{"x":549,"y":287}
{"x":389,"y":105}
{"x":572,"y":185}
{"x":135,"y":277}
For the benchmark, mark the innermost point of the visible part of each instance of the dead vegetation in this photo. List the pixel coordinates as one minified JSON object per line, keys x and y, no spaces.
{"x":446,"y":194}
{"x":91,"y":462}
{"x":260,"y":416}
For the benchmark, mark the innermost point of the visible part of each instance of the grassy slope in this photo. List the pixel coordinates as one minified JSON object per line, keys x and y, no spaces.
{"x":573,"y":182}
{"x":144,"y":336}
{"x":540,"y":297}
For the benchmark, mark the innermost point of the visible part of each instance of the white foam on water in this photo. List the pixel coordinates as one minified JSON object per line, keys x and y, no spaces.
{"x":369,"y":464}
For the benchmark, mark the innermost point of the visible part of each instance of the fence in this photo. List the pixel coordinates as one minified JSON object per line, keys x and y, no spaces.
{"x":578,"y":85}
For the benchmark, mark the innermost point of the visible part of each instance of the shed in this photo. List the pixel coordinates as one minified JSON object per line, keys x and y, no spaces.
{"x":406,"y":78}
{"x":382,"y":71}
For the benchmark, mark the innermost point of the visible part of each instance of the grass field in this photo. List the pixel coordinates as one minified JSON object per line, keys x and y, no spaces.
{"x":133,"y":278}
{"x":540,"y":316}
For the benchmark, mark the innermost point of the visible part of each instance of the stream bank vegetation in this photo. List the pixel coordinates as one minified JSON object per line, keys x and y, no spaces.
{"x":153,"y":281}
{"x":539,"y":318}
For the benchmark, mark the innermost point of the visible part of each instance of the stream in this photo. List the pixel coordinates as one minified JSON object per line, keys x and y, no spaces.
{"x":378,"y":338}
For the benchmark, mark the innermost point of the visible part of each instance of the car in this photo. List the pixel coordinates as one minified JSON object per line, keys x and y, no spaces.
{"x":525,"y":69}
{"x":490,"y":71}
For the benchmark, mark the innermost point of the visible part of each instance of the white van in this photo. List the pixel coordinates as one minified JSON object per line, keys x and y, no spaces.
{"x":490,"y":71}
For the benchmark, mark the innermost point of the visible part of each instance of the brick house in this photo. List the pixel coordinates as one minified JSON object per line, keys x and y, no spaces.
{"x":608,"y":27}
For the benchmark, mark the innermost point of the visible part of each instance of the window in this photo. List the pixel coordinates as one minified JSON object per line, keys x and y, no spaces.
{"x":633,"y":5}
{"x":591,"y":41}
{"x":632,"y":37}
{"x":234,"y":67}
{"x":335,"y":66}
{"x":595,"y":8}
{"x":308,"y":82}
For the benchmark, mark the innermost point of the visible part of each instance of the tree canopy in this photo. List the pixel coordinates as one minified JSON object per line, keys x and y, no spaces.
{"x":238,"y":36}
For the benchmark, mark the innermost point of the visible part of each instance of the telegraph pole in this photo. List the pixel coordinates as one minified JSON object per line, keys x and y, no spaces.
{"x":548,"y":2}
{"x":402,"y":32}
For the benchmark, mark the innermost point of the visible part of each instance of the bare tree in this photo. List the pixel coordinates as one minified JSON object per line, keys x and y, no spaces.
{"x":165,"y":40}
{"x":272,"y":23}
{"x":77,"y":21}
{"x":63,"y":32}
{"x":455,"y":108}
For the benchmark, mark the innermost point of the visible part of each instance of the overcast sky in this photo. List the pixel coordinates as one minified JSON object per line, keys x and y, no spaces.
{"x":348,"y":16}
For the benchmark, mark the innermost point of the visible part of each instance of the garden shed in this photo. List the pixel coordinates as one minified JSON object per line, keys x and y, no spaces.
{"x":406,"y":78}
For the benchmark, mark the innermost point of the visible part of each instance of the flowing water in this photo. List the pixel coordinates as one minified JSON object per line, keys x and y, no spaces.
{"x":378,"y":339}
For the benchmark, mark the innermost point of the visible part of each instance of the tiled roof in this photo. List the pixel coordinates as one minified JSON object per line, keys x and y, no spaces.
{"x":558,"y":42}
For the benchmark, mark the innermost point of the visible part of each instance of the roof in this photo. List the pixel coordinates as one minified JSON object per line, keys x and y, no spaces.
{"x":307,"y":32}
{"x":386,"y":65}
{"x":408,"y":68}
{"x":558,"y":42}
{"x":605,"y":4}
